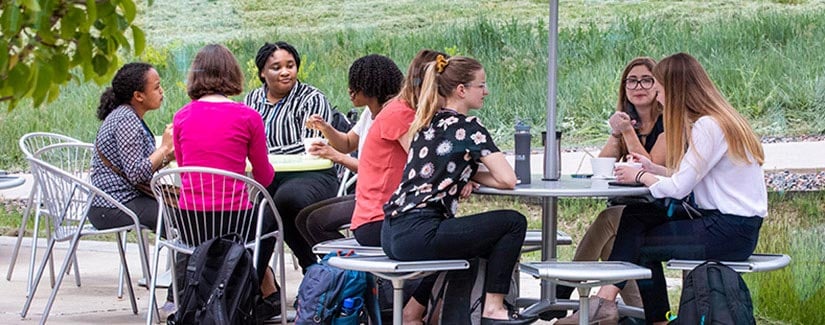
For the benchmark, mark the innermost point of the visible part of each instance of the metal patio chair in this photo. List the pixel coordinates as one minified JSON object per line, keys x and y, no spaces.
{"x":68,"y":197}
{"x":223,"y":203}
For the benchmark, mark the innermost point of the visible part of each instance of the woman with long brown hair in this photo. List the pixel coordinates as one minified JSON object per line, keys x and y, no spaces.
{"x":712,"y":152}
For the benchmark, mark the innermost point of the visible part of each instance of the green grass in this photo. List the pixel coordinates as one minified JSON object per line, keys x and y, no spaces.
{"x":764,"y":56}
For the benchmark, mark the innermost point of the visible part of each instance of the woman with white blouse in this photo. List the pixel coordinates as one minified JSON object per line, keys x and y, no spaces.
{"x":711,"y":152}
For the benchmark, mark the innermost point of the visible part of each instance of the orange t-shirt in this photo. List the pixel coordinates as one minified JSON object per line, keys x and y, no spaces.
{"x":381,"y":162}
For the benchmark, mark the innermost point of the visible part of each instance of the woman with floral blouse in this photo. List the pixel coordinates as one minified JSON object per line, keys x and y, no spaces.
{"x":447,"y":148}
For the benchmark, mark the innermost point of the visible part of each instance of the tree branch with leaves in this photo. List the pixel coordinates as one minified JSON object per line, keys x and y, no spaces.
{"x":51,"y":42}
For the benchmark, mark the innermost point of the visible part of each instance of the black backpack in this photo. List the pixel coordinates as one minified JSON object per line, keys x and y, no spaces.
{"x":458,"y":296}
{"x":714,"y":293}
{"x":221,"y":285}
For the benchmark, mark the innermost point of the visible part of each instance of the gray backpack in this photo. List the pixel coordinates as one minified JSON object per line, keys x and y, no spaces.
{"x":715,"y":294}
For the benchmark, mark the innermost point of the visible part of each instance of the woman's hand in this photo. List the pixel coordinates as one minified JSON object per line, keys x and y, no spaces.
{"x":647,"y":164}
{"x":620,"y":122}
{"x":324,"y":150}
{"x":317,"y":122}
{"x":468,"y":189}
{"x":166,"y":141}
{"x":626,"y":174}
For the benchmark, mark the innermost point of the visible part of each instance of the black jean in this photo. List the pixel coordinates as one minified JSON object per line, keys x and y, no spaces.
{"x":369,"y":234}
{"x":294,"y":191}
{"x":647,"y":237}
{"x":320,"y":221}
{"x":424,"y":234}
{"x":146,"y":209}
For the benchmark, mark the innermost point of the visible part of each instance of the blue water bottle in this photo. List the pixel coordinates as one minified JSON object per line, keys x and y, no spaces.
{"x":350,"y":308}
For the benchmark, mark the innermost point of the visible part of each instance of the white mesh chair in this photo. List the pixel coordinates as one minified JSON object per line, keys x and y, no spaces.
{"x":67,"y":198}
{"x":222,"y":202}
{"x":30,"y":143}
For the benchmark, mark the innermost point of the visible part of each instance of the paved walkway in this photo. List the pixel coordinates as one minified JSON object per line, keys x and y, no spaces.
{"x":96,"y":301}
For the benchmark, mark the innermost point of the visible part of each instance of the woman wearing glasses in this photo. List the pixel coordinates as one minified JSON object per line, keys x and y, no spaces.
{"x":636,"y":127}
{"x":637,"y":123}
{"x":712,"y":152}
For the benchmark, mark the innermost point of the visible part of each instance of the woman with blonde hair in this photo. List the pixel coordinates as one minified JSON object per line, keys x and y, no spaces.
{"x":714,"y":154}
{"x":447,"y":148}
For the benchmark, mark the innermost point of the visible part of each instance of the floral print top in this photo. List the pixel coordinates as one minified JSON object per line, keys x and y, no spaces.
{"x":442,"y":159}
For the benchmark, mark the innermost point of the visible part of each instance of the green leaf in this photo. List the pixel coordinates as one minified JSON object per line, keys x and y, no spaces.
{"x":140,"y":39}
{"x":19,"y":80}
{"x":69,"y":23}
{"x":129,"y":10}
{"x":30,"y":5}
{"x":91,"y":9}
{"x":13,"y":19}
{"x":60,"y":65}
{"x":100,"y":64}
{"x":4,"y":56}
{"x":54,"y":91}
{"x":42,"y":85}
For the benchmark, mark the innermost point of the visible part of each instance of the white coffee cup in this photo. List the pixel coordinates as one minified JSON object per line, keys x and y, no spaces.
{"x":602,"y":167}
{"x":308,"y":142}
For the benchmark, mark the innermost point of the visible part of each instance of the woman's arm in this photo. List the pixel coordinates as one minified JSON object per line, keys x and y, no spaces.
{"x":500,"y":174}
{"x":166,"y":151}
{"x":707,"y":147}
{"x":340,"y":141}
{"x":623,"y":136}
{"x":131,"y":142}
{"x":328,"y":152}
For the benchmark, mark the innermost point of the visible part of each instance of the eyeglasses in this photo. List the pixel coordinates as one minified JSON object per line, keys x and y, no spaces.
{"x":482,"y":85}
{"x":645,"y":83}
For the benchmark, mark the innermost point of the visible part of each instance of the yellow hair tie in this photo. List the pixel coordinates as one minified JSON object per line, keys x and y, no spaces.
{"x":440,"y":63}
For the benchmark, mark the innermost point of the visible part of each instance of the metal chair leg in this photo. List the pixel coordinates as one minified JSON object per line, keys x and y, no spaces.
{"x":20,"y":233}
{"x":122,"y":251}
{"x":33,"y":288}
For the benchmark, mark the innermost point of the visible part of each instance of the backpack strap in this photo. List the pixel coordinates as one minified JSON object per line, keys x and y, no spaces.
{"x":371,"y":301}
{"x":701,"y":284}
{"x":731,"y":281}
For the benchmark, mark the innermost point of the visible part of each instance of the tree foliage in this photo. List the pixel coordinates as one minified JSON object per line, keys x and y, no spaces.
{"x":47,"y":39}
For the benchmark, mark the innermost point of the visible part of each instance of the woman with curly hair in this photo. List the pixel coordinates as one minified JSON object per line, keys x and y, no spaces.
{"x":126,"y":147}
{"x":373,"y":80}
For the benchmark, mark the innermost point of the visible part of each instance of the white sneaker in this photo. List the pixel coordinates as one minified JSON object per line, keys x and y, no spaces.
{"x":168,"y":308}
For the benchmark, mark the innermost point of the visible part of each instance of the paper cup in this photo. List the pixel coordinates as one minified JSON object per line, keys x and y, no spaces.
{"x":602,"y":167}
{"x":308,"y":142}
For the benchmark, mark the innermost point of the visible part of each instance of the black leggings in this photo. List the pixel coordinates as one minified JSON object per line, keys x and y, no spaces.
{"x":647,"y":237}
{"x":424,"y":234}
{"x":294,"y":191}
{"x":320,"y":221}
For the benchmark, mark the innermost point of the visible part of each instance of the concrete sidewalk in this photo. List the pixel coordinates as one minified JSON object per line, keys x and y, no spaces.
{"x":96,"y":301}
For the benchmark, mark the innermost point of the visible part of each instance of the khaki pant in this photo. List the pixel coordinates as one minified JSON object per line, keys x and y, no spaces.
{"x":597,"y":244}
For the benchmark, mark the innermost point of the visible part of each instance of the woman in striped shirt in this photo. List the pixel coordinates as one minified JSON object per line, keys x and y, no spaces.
{"x":285,"y":104}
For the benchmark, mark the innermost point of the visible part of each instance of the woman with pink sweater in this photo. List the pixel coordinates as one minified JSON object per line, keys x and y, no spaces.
{"x":215,"y":131}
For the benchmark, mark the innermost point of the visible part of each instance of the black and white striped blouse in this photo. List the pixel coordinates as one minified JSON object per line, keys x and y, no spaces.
{"x":285,"y":121}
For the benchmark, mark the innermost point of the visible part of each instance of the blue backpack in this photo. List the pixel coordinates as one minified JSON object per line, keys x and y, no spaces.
{"x":324,"y":289}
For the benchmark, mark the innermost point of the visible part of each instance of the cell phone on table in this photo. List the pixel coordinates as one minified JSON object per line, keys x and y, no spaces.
{"x":615,"y":183}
